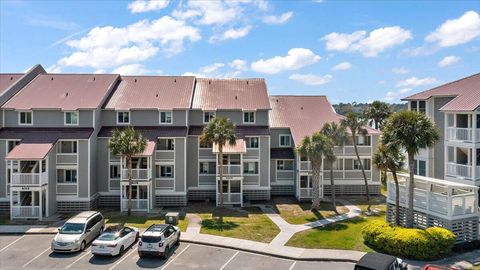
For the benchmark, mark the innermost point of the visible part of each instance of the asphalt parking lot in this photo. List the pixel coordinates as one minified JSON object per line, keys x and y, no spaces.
{"x":33,"y":252}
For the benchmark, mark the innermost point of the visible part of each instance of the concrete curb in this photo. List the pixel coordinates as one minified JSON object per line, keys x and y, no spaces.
{"x":27,"y":233}
{"x":266,"y":253}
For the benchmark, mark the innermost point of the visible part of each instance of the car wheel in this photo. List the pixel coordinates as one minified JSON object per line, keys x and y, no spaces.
{"x":137,"y":236}
{"x":82,"y":246}
{"x":178,"y":240}
{"x":101,"y":231}
{"x":166,"y":253}
{"x":120,"y":253}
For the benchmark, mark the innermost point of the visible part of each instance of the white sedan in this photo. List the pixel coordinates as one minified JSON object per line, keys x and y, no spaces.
{"x":114,"y":241}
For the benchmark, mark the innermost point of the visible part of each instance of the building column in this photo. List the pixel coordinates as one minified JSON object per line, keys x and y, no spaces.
{"x":40,"y":203}
{"x":11,"y":203}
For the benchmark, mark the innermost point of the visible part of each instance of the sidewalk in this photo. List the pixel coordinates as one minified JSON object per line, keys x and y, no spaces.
{"x":27,"y":229}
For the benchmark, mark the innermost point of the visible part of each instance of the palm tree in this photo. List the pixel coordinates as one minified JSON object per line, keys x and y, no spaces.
{"x":412,"y":131}
{"x":355,"y":123}
{"x":219,"y":131}
{"x":338,"y":135}
{"x":314,"y":148}
{"x":389,"y":157}
{"x":378,"y":112}
{"x":127,"y":143}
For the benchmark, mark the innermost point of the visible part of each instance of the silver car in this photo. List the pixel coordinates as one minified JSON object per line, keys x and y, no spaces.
{"x":78,"y":231}
{"x":158,"y":240}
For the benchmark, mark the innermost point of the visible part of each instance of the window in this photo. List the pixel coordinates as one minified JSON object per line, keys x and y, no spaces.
{"x":284,"y":165}
{"x":249,"y":117}
{"x":208,"y":116}
{"x":71,"y":118}
{"x":207,"y":167}
{"x":285,"y":140}
{"x":166,"y":144}
{"x":250,"y":167}
{"x":418,"y":106}
{"x":252,"y":142}
{"x":67,"y":147}
{"x":421,"y":106}
{"x":67,"y":176}
{"x":165,"y":117}
{"x":422,"y":168}
{"x":363,"y":140}
{"x":115,"y":171}
{"x":205,"y":145}
{"x":166,"y":171}
{"x":25,"y":118}
{"x":123,"y":117}
{"x":413,"y":105}
{"x":365,"y":163}
{"x":11,"y":145}
{"x":305,"y":181}
{"x":280,"y":165}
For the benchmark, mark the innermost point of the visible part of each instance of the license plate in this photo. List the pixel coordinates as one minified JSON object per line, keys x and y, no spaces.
{"x":102,"y":247}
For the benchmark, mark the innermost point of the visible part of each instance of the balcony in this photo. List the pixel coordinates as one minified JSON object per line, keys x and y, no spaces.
{"x":463,"y":134}
{"x":137,"y":174}
{"x":165,"y":155}
{"x":230,"y":169}
{"x":462,"y":171}
{"x":25,"y":211}
{"x":230,"y":198}
{"x":137,"y":204}
{"x":305,"y":166}
{"x":29,"y":179}
{"x":305,"y":192}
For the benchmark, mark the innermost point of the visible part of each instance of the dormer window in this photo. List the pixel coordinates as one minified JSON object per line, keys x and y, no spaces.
{"x":165,"y":117}
{"x":71,"y":118}
{"x":285,"y":140}
{"x":123,"y":118}
{"x":25,"y":118}
{"x":208,"y":116}
{"x":249,"y":117}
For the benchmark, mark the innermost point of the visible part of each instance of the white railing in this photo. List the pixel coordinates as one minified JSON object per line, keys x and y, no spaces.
{"x":305,"y":165}
{"x":461,"y":170}
{"x":25,"y":211}
{"x":477,"y":134}
{"x":137,"y":204}
{"x":305,"y":192}
{"x":29,"y":179}
{"x":230,"y":198}
{"x":230,"y":169}
{"x":459,"y":134}
{"x":67,"y":158}
{"x":137,"y":174}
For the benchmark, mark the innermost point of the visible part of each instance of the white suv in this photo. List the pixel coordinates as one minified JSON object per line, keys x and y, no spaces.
{"x":78,"y":231}
{"x":158,"y":240}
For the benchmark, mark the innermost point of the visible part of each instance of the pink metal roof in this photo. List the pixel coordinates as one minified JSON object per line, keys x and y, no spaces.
{"x":152,"y":92}
{"x":149,"y":149}
{"x":239,"y":147}
{"x":7,"y":79}
{"x":29,"y":151}
{"x":303,"y":115}
{"x":466,"y":93}
{"x":63,"y":91}
{"x":246,"y":94}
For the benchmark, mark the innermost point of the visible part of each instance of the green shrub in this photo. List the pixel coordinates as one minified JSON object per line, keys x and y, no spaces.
{"x":411,"y":243}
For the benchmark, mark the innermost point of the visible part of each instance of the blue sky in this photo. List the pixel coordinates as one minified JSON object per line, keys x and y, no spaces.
{"x":350,"y":50}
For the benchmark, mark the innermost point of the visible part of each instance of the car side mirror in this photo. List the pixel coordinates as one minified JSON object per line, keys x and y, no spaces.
{"x":59,"y":228}
{"x":89,"y":230}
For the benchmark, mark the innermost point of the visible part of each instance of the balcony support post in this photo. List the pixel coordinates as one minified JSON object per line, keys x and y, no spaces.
{"x":11,"y":204}
{"x":40,"y":203}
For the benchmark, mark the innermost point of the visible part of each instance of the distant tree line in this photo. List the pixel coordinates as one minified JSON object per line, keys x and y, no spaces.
{"x":343,"y":108}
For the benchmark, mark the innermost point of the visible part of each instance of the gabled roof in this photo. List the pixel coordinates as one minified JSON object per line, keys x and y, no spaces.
{"x":63,"y":91}
{"x":7,"y":79}
{"x":465,"y":93}
{"x":304,"y":115}
{"x":238,"y":94}
{"x":152,"y":92}
{"x":29,"y":151}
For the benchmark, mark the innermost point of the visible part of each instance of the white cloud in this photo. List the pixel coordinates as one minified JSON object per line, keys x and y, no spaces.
{"x":281,"y":19}
{"x":342,"y":66}
{"x":400,"y":70}
{"x":391,"y":95}
{"x":376,"y":42}
{"x":415,"y":82}
{"x":238,"y":64}
{"x":296,"y":59}
{"x":209,"y":12}
{"x":232,"y":33}
{"x":211,"y":68}
{"x":132,"y":69}
{"x":139,"y":6}
{"x":54,"y":69}
{"x":104,"y":47}
{"x":52,"y":23}
{"x":220,"y":70}
{"x":311,"y":79}
{"x":457,"y":31}
{"x":448,"y":60}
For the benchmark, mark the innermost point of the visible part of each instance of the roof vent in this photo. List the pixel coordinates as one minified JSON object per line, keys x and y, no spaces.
{"x":156,"y":95}
{"x":11,"y":78}
{"x":209,"y":82}
{"x":51,"y":79}
{"x":301,"y":108}
{"x":175,"y":80}
{"x":277,"y":99}
{"x":94,"y":78}
{"x":135,"y":80}
{"x":66,"y":94}
{"x":236,"y":97}
{"x":247,"y":82}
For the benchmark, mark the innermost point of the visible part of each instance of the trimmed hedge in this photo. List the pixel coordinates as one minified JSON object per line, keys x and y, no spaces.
{"x":411,"y":243}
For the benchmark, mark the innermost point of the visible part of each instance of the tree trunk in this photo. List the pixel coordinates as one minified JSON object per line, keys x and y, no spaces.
{"x":220,"y":154}
{"x":129,"y":164}
{"x":367,"y":193}
{"x":316,"y":167}
{"x":332,"y":187}
{"x":409,"y":219}
{"x":397,"y":198}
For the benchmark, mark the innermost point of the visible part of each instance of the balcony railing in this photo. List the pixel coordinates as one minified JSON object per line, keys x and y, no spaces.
{"x":305,"y":192}
{"x":137,"y":204}
{"x":25,"y":211}
{"x":67,"y":158}
{"x":460,"y":170}
{"x":230,"y":198}
{"x":305,"y":166}
{"x":29,"y":179}
{"x":459,"y":134}
{"x":137,"y":174}
{"x":230,"y":169}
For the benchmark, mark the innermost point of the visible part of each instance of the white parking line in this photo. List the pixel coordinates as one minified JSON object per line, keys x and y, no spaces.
{"x":86,"y":253}
{"x":234,"y":255}
{"x":36,"y":257}
{"x":123,"y":258}
{"x":12,"y":243}
{"x":293,"y":265}
{"x":175,"y":257}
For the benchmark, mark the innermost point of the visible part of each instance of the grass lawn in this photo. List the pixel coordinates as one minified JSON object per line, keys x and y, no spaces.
{"x":341,"y":235}
{"x":300,"y":212}
{"x":4,"y":220}
{"x":248,"y":223}
{"x":140,"y":221}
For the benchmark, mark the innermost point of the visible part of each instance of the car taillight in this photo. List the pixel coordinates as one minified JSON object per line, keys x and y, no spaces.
{"x":140,"y":243}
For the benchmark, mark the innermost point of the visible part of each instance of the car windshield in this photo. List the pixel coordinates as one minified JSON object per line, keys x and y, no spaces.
{"x":108,"y":237}
{"x":72,"y":228}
